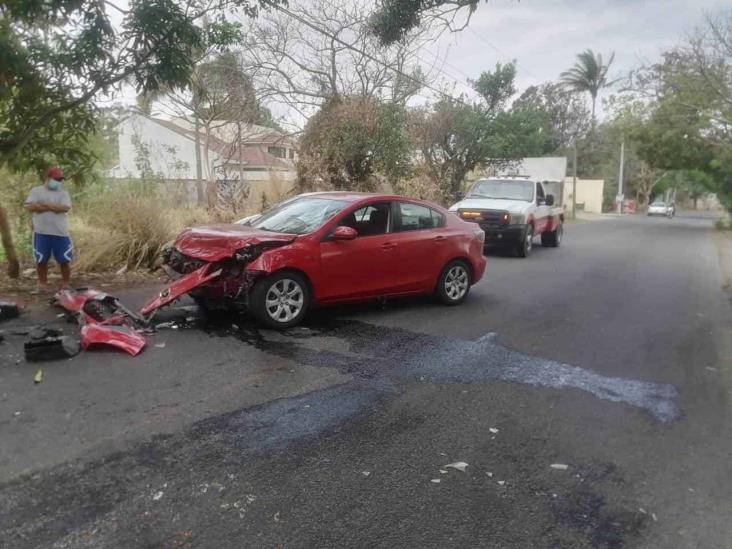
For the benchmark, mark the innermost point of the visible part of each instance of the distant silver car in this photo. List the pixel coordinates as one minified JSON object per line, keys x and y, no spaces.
{"x":661,"y":208}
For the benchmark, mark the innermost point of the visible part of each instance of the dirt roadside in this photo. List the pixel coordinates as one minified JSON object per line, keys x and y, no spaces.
{"x":21,"y":288}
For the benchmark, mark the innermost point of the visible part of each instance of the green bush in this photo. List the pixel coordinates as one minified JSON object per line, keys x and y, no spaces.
{"x":723,"y":224}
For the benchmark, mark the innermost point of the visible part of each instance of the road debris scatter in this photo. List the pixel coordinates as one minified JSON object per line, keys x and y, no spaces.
{"x":459,"y":465}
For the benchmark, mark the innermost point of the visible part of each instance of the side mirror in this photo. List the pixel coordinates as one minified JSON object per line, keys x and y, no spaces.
{"x":344,"y":233}
{"x":550,"y":200}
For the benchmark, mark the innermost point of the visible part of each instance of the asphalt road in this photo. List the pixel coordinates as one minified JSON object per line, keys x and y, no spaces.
{"x":610,"y":355}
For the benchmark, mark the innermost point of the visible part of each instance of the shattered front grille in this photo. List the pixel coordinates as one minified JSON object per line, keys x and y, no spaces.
{"x":181,"y":263}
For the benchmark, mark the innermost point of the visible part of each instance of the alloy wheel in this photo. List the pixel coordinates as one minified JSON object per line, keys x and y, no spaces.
{"x":284,"y":300}
{"x":456,"y":282}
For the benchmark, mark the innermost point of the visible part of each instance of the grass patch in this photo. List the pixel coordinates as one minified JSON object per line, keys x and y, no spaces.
{"x":723,"y":225}
{"x":127,"y":224}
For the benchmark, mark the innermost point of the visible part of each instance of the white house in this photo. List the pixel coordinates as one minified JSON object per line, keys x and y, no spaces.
{"x":166,"y":149}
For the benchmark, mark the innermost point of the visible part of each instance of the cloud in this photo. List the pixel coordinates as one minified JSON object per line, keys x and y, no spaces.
{"x":544,"y":35}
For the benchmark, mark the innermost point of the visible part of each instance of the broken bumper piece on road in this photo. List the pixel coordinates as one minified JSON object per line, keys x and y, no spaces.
{"x":121,"y":337}
{"x":105,"y":321}
{"x":179,"y":288}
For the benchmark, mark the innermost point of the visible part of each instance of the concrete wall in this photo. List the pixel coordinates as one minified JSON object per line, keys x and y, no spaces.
{"x":171,"y":155}
{"x":589,"y":193}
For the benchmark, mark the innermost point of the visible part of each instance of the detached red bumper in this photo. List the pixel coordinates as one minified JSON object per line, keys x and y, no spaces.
{"x":122,"y":337}
{"x":178,"y":288}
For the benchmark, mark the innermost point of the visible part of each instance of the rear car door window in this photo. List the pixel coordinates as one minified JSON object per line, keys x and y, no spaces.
{"x":370,"y":220}
{"x":414,"y":217}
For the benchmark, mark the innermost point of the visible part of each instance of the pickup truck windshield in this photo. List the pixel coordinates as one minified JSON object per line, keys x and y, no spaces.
{"x":299,"y":216}
{"x":504,"y":189}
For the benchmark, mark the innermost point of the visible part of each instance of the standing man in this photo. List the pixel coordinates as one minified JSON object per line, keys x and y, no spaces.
{"x":49,"y":203}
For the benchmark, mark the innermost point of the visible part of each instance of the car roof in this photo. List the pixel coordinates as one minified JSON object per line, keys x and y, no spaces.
{"x":508,"y":178}
{"x":351,"y":196}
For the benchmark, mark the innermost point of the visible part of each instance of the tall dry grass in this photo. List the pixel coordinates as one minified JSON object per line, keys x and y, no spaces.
{"x":127,"y":224}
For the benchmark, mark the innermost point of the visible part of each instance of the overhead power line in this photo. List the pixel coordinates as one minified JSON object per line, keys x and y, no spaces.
{"x":499,"y":51}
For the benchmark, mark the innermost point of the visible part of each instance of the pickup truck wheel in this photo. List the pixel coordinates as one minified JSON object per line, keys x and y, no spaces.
{"x":553,"y":238}
{"x":453,"y":285}
{"x":280,"y":300}
{"x":524,"y":247}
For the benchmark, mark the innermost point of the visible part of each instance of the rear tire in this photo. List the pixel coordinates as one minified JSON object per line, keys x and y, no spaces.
{"x":553,"y":239}
{"x":453,"y":286}
{"x":523,"y":249}
{"x":280,"y":300}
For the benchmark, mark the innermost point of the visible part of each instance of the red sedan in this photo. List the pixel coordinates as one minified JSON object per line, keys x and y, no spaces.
{"x":324,"y":248}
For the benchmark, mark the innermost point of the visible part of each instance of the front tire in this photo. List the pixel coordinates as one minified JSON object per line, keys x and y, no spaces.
{"x":527,"y":242}
{"x":453,"y":285}
{"x":554,"y":238}
{"x":280,"y":300}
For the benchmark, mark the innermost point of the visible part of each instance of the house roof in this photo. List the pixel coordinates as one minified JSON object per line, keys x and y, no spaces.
{"x":248,"y":133}
{"x":251,"y":155}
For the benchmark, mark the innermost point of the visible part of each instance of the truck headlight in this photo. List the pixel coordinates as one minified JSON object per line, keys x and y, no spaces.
{"x":517,"y":219}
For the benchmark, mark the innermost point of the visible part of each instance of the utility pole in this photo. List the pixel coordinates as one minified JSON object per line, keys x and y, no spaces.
{"x":199,"y":171}
{"x":619,"y":198}
{"x":238,"y":144}
{"x":574,"y":180}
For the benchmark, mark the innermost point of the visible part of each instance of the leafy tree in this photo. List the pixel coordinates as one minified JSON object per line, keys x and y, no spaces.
{"x":588,"y":75}
{"x":58,"y":56}
{"x":351,"y":142}
{"x":567,"y":116}
{"x":690,"y":127}
{"x":395,"y":18}
{"x":496,"y":87}
{"x":455,"y":137}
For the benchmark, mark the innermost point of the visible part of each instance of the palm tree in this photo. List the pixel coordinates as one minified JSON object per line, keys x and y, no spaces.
{"x":589,"y":74}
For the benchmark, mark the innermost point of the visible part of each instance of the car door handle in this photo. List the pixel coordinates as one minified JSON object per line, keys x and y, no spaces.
{"x":439,"y":238}
{"x":388,"y":246}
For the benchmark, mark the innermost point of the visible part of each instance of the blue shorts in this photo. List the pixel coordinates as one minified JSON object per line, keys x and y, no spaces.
{"x":46,"y":244}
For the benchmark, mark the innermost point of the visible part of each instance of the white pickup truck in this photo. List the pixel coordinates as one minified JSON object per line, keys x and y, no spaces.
{"x":512,"y":211}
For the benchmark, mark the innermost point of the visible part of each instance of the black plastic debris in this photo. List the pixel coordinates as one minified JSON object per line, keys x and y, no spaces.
{"x":9,"y":310}
{"x":49,"y":344}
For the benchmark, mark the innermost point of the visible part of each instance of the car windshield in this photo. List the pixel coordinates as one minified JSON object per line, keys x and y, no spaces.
{"x":503,"y":189}
{"x":658,"y":204}
{"x":300,"y":216}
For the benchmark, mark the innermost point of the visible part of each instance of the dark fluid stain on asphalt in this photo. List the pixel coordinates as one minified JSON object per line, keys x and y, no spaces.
{"x":276,"y":425}
{"x":379,"y":350}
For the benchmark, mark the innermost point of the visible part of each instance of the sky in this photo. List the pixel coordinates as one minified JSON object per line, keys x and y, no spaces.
{"x":545,"y":35}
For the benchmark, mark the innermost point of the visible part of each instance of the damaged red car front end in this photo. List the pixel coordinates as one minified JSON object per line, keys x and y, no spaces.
{"x":216,"y":265}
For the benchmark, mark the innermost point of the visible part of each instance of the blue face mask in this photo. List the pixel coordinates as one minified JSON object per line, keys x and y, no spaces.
{"x":53,"y":184}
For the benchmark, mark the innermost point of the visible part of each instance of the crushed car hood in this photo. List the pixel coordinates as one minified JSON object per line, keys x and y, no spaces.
{"x":512,"y":206}
{"x":217,"y":242}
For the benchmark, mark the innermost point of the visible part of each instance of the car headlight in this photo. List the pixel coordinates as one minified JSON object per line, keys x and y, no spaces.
{"x":517,"y":219}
